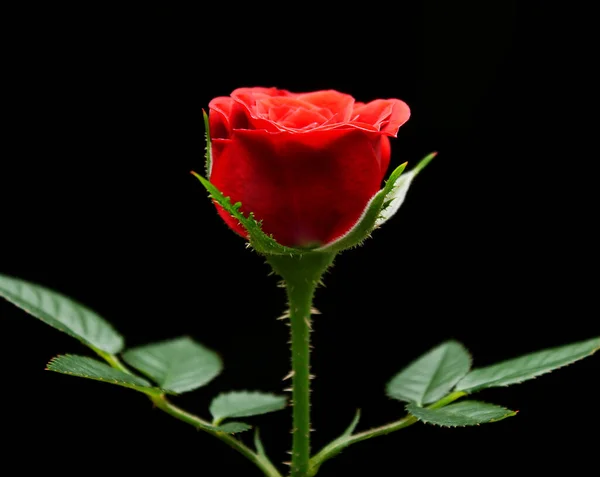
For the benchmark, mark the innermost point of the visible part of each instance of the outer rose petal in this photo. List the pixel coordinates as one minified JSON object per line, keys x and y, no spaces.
{"x":387,"y":115}
{"x":400,"y":114}
{"x":244,"y":116}
{"x":308,"y":189}
{"x":385,"y":151}
{"x":245,"y":110}
{"x":219,"y":112}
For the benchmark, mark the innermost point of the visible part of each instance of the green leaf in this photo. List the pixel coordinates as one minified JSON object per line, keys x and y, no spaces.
{"x":527,"y":367}
{"x":177,"y":365}
{"x":432,"y":376}
{"x":234,"y":427}
{"x":243,"y":404}
{"x":465,"y":413}
{"x":380,"y":208}
{"x":62,"y":313}
{"x":89,"y":368}
{"x":208,"y":163}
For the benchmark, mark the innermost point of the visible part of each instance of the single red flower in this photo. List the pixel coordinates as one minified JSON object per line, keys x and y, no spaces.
{"x":306,"y":164}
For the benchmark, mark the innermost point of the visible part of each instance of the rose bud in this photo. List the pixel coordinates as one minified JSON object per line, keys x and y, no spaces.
{"x":305,"y":164}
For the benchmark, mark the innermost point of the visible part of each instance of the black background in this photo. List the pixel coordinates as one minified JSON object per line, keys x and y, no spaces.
{"x":495,"y":246}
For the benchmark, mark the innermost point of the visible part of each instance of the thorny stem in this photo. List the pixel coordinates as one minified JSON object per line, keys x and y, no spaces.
{"x":301,"y":274}
{"x":162,"y":403}
{"x":336,"y":446}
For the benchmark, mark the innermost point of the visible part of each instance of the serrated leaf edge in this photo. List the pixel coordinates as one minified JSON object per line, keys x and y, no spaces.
{"x":491,"y":385}
{"x":510,"y":413}
{"x":50,"y":366}
{"x":222,"y":429}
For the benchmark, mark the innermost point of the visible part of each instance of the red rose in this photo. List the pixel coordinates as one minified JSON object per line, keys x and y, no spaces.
{"x":306,"y":164}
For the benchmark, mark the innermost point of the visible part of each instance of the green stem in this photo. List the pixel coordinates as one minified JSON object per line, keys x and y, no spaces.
{"x":302,"y":274}
{"x":336,"y":446}
{"x":162,"y":403}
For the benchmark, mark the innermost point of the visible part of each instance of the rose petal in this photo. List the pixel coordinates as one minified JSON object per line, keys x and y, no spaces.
{"x":306,"y":188}
{"x":339,"y":104}
{"x":301,"y":118}
{"x":384,"y":152}
{"x":387,"y":115}
{"x":251,"y":108}
{"x":219,"y":112}
{"x":400,"y":114}
{"x":280,"y":109}
{"x":372,"y":113}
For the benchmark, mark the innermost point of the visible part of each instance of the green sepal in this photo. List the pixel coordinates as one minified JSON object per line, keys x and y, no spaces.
{"x":260,"y":241}
{"x":380,"y":208}
{"x":208,"y":152}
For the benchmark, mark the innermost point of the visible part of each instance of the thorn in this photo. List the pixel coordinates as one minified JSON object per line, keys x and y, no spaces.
{"x":311,"y":376}
{"x":288,"y":375}
{"x":307,"y":321}
{"x":287,"y":463}
{"x":288,"y":390}
{"x":314,"y":311}
{"x":285,"y":315}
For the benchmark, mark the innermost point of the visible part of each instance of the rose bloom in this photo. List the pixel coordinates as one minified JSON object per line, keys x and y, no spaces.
{"x":306,"y":164}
